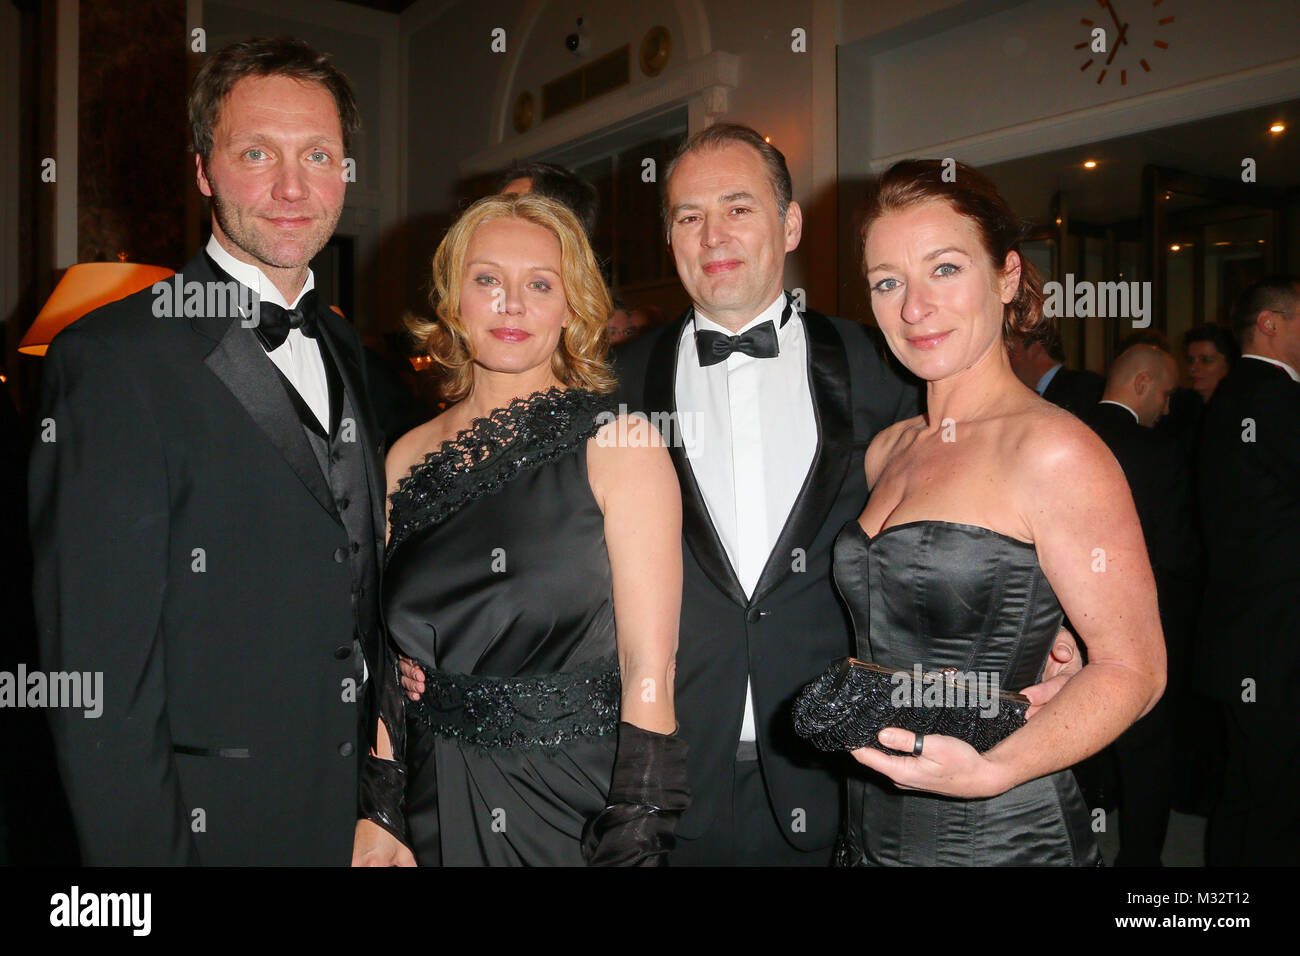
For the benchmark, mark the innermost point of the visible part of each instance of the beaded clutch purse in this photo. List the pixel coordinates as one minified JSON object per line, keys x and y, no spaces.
{"x":852,"y":700}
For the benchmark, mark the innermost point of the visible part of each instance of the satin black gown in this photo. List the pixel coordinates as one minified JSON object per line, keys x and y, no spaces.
{"x":498,"y":583}
{"x":955,"y":595}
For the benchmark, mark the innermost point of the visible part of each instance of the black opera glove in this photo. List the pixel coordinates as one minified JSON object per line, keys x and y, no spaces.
{"x":383,"y":795}
{"x":382,"y":787}
{"x":647,"y":795}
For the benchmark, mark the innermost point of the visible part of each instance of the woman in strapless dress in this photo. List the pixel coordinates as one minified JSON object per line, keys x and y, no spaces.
{"x":533,"y":572}
{"x":990,"y":516}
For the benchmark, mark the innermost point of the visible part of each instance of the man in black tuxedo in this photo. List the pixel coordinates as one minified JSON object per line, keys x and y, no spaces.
{"x":768,"y":409}
{"x":1038,"y":361}
{"x":1249,"y":637}
{"x":1138,"y":390}
{"x":206,"y":509}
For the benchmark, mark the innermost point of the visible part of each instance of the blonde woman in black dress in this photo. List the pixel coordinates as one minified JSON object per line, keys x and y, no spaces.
{"x":533,"y":571}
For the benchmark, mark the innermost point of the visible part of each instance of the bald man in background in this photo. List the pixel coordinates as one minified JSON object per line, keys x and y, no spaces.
{"x":1136,"y":396}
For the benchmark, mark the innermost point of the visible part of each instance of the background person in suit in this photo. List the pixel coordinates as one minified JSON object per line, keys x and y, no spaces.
{"x":1249,"y":636}
{"x":1038,"y":360}
{"x":1138,"y":389}
{"x":207,"y":521}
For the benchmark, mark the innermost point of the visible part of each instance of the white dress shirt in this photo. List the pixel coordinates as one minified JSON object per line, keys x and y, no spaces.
{"x":753,"y":437}
{"x":1295,"y":377}
{"x":299,"y":356}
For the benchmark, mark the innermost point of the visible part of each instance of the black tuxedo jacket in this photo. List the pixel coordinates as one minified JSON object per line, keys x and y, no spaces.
{"x":1158,"y":477}
{"x":189,"y":546}
{"x":1075,"y":390}
{"x":1249,"y":490}
{"x":794,"y":624}
{"x":1160,"y":481}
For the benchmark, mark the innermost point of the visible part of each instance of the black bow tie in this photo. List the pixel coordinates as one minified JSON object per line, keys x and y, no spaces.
{"x":759,"y":342}
{"x":274,"y":322}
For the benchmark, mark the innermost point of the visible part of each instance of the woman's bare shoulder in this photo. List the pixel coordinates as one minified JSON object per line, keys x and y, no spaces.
{"x":883,"y":446}
{"x":411,"y":448}
{"x":1055,"y":450}
{"x":628,"y":453}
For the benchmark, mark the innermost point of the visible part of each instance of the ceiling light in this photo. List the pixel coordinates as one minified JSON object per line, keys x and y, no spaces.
{"x":1277,"y":128}
{"x":1089,"y":164}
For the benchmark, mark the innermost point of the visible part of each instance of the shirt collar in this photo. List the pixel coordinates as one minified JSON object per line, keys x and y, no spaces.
{"x":1111,"y":401}
{"x":773,"y":312}
{"x":253,"y":277}
{"x":1046,"y":380}
{"x":1282,"y":365}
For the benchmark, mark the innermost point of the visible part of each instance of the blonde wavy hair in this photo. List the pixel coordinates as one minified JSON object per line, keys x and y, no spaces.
{"x":581,"y":358}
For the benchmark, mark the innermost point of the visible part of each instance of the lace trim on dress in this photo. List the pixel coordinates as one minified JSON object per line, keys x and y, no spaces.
{"x":482,"y":458}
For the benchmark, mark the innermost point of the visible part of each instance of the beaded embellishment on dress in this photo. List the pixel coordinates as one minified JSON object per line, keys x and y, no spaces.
{"x":539,"y":710}
{"x":528,"y":432}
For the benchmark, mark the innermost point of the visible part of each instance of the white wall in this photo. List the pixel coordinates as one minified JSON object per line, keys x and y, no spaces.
{"x":1019,"y":66}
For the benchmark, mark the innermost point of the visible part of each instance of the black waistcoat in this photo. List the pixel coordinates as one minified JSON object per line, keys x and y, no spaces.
{"x":340,"y":455}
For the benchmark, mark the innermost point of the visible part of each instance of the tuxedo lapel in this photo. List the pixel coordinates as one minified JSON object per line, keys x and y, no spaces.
{"x":331,"y":342}
{"x":239,"y":361}
{"x":241,"y":364}
{"x":828,"y":376}
{"x":697,"y":527}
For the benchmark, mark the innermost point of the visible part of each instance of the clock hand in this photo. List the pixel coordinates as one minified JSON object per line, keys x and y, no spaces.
{"x":1115,"y":49}
{"x":1110,"y":8}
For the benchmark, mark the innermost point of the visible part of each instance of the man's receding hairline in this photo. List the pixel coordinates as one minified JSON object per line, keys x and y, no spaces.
{"x":718,"y":146}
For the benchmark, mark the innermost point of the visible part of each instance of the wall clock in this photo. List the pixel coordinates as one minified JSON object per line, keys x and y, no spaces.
{"x":1119,"y":43}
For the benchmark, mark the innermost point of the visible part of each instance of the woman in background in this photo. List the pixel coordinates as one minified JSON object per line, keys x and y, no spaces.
{"x":1210,"y":351}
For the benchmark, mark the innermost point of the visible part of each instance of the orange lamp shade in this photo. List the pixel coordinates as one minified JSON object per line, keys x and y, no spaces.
{"x":84,"y":288}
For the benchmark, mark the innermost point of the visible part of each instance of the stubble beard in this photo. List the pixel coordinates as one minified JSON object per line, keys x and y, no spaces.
{"x":260,"y":247}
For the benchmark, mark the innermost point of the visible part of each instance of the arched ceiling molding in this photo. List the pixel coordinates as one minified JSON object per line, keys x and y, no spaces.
{"x":702,"y":83}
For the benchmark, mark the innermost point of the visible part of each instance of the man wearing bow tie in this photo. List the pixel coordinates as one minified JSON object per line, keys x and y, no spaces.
{"x":208,"y":519}
{"x":773,"y":408}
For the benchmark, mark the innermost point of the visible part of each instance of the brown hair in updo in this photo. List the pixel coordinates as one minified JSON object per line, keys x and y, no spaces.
{"x":913,"y":182}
